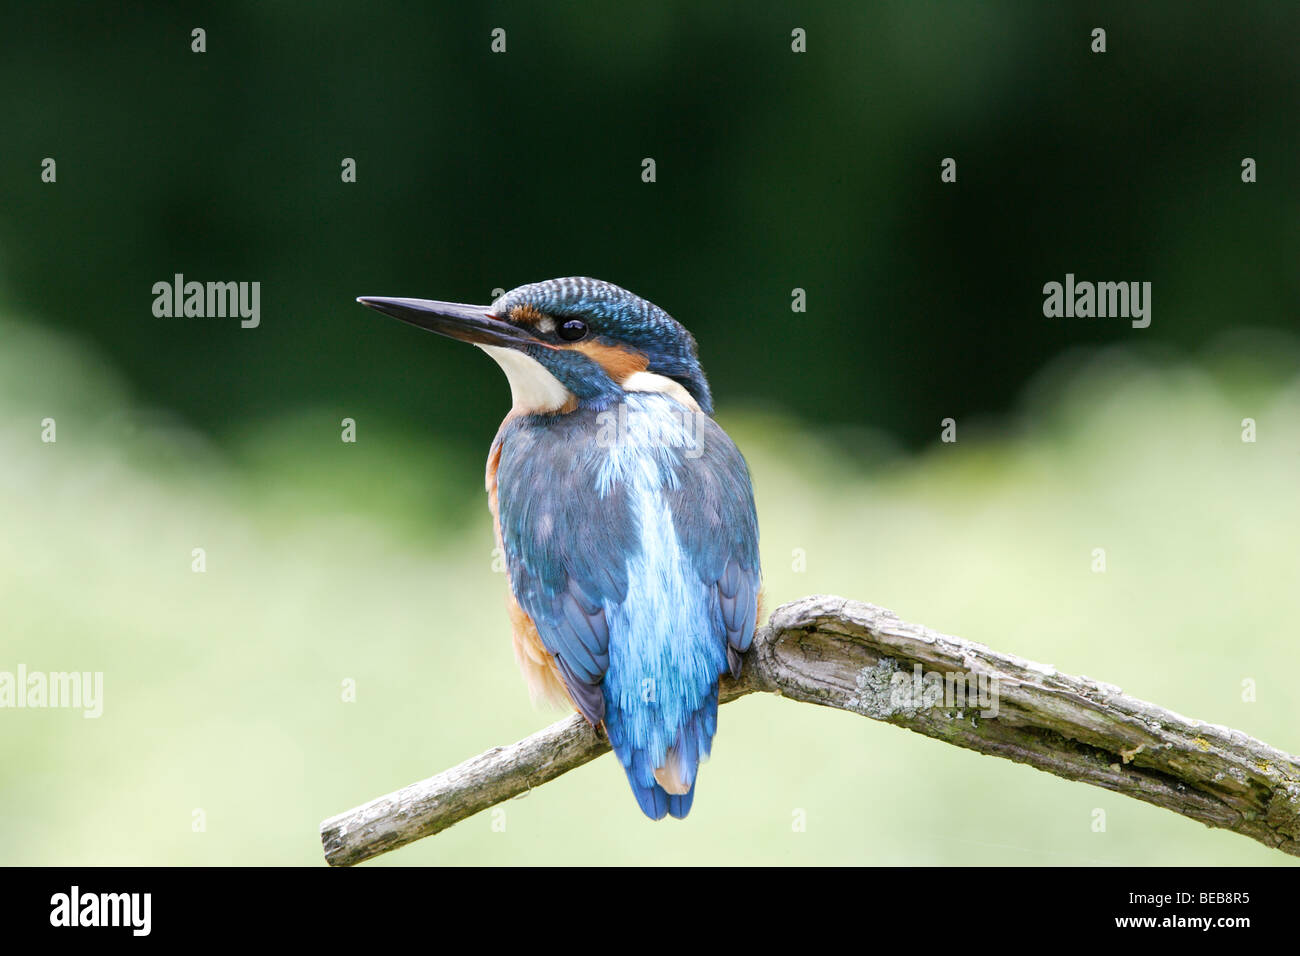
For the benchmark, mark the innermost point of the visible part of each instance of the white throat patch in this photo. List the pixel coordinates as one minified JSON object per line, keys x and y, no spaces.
{"x":532,"y":388}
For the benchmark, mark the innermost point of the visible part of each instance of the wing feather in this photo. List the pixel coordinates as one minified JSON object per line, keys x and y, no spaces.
{"x":569,"y":532}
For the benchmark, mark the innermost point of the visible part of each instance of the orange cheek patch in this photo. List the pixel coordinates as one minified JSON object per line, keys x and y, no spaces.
{"x":618,"y":362}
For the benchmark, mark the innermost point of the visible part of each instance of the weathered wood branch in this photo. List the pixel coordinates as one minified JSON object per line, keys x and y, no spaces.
{"x":862,"y":658}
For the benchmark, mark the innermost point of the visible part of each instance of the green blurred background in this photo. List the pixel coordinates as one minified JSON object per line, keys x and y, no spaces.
{"x":372,"y":561}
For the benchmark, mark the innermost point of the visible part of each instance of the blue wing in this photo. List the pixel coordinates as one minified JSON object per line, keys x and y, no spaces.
{"x":639,"y":567}
{"x":563,"y":557}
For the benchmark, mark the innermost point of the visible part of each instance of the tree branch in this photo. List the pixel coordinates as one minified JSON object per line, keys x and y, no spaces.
{"x":862,"y":658}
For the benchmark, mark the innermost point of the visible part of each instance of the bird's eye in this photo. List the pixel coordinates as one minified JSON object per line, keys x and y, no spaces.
{"x":572,"y":330}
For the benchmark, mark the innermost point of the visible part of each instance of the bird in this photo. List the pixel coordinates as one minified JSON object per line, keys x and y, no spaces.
{"x":625,"y":515}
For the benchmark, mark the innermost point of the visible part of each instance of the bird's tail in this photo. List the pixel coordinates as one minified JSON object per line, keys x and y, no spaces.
{"x":667,"y":789}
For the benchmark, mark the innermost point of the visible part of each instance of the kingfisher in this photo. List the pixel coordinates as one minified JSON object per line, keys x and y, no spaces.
{"x":625,"y":514}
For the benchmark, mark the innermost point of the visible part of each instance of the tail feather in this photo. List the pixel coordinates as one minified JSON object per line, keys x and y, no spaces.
{"x":667,"y":789}
{"x":649,"y":795}
{"x":679,"y":806}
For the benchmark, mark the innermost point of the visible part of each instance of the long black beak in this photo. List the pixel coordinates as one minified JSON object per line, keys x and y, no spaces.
{"x":467,"y":323}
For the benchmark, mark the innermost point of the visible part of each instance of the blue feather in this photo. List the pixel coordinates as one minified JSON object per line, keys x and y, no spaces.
{"x":638,"y":562}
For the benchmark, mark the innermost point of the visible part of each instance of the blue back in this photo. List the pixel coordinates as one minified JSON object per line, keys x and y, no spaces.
{"x":631,"y":541}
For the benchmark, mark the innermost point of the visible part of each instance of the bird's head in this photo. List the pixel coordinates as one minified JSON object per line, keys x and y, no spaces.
{"x":569,"y":342}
